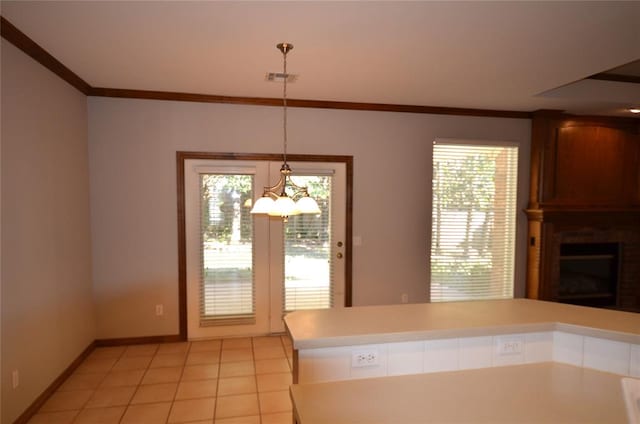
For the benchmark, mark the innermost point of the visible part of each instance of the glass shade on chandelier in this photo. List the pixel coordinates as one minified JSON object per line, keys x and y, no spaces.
{"x":275,"y":200}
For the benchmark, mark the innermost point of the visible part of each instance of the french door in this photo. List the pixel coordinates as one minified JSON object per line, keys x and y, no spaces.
{"x":245,"y":272}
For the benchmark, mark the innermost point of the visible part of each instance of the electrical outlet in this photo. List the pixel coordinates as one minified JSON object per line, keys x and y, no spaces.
{"x":404,"y":298}
{"x":15,"y":379}
{"x":159,"y":310}
{"x":510,"y":345}
{"x":364,"y":358}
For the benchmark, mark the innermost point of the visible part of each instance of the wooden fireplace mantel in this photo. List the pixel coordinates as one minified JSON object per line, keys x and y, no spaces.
{"x":585,"y":188}
{"x":595,"y":216}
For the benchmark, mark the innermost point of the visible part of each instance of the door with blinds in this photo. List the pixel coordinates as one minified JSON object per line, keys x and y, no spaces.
{"x":308,"y":250}
{"x":244,"y":272}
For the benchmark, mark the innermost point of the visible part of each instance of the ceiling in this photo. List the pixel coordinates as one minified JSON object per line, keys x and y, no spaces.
{"x":518,"y":56}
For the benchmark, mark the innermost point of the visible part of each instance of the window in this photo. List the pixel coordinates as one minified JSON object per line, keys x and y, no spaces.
{"x":307,"y":251}
{"x":227,"y":278}
{"x":473,"y":220}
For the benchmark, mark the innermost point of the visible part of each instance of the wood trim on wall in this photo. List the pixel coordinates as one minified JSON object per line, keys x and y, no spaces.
{"x":31,"y":48}
{"x":302,"y":103}
{"x":182,"y":247}
{"x":55,"y":385}
{"x":170,"y":338}
{"x":35,"y":406}
{"x":19,"y":39}
{"x":181,"y":157}
{"x":32,"y":409}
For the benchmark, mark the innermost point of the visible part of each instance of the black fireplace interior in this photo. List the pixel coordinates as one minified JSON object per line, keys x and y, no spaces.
{"x":589,"y":274}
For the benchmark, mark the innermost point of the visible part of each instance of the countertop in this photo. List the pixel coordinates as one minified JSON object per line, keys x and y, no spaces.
{"x":535,"y":393}
{"x":396,"y":323}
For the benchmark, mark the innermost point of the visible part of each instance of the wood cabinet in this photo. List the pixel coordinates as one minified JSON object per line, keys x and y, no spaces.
{"x":584,"y":162}
{"x":585,"y":188}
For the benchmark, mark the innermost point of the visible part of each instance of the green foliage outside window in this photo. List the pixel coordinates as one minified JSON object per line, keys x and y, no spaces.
{"x":225,"y":199}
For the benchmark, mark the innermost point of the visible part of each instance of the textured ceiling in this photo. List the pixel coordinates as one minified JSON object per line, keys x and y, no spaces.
{"x":519,"y":56}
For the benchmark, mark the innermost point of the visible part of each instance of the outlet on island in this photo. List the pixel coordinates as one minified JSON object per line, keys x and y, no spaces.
{"x":364,"y":358}
{"x":510,"y":345}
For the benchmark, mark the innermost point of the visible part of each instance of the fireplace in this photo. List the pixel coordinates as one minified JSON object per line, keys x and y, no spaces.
{"x":589,"y":274}
{"x":584,"y":210}
{"x":585,"y":258}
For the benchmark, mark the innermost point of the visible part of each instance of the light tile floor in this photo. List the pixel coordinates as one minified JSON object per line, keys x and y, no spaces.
{"x":228,"y":381}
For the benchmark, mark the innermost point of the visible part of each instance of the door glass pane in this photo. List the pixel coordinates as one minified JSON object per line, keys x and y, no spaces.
{"x":307,"y":251}
{"x":227,"y":280}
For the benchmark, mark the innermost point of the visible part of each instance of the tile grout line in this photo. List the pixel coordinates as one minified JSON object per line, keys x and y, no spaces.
{"x":184,"y":362}
{"x":139,"y":382}
{"x":97,"y":388}
{"x":219,"y":365}
{"x":255,"y":378}
{"x":154,"y":354}
{"x":83,"y":407}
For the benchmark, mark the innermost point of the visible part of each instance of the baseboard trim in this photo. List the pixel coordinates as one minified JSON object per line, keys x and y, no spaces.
{"x":171,"y":338}
{"x":46,"y":394}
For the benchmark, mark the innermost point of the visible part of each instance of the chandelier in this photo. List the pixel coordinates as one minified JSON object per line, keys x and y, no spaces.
{"x":285,"y":198}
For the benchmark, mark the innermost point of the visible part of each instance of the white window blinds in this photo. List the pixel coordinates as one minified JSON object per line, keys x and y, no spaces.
{"x":227,"y":280}
{"x":473,"y":221}
{"x":307,"y":251}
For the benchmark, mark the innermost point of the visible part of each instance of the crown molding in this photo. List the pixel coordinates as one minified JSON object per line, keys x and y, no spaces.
{"x":19,"y":39}
{"x":302,"y":103}
{"x":32,"y":49}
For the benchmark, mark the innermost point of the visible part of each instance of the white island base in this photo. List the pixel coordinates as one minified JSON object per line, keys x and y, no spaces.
{"x":490,"y":361}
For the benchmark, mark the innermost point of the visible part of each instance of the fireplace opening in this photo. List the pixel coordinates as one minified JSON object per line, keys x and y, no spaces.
{"x":589,"y":274}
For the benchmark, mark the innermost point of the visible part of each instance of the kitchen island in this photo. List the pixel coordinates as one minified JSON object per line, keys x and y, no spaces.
{"x":394,"y":323}
{"x":456,"y":361}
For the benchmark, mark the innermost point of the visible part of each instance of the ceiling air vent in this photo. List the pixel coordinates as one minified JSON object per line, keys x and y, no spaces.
{"x":279,"y":77}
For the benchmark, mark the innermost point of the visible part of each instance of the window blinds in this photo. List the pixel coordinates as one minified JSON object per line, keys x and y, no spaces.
{"x":307,"y":251}
{"x":473,"y":221}
{"x":226,"y":231}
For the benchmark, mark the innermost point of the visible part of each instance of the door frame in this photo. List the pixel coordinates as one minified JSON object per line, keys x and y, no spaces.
{"x":182,"y":156}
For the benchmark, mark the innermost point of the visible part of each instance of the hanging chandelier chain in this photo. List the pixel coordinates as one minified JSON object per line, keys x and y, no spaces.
{"x":275,"y":201}
{"x":284,"y":102}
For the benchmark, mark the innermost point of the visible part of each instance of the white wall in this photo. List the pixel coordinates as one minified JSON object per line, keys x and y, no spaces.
{"x":47,"y":302}
{"x":132,"y":145}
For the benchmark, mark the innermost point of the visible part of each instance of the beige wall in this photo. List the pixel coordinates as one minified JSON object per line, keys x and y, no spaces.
{"x":47,"y":301}
{"x":132,"y":145}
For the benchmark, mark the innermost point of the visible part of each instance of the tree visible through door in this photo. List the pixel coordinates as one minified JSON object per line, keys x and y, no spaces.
{"x":244,"y":272}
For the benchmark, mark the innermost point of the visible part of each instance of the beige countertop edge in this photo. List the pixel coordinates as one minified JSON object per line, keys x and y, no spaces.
{"x":409,"y":336}
{"x":598,"y":333}
{"x":552,"y":393}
